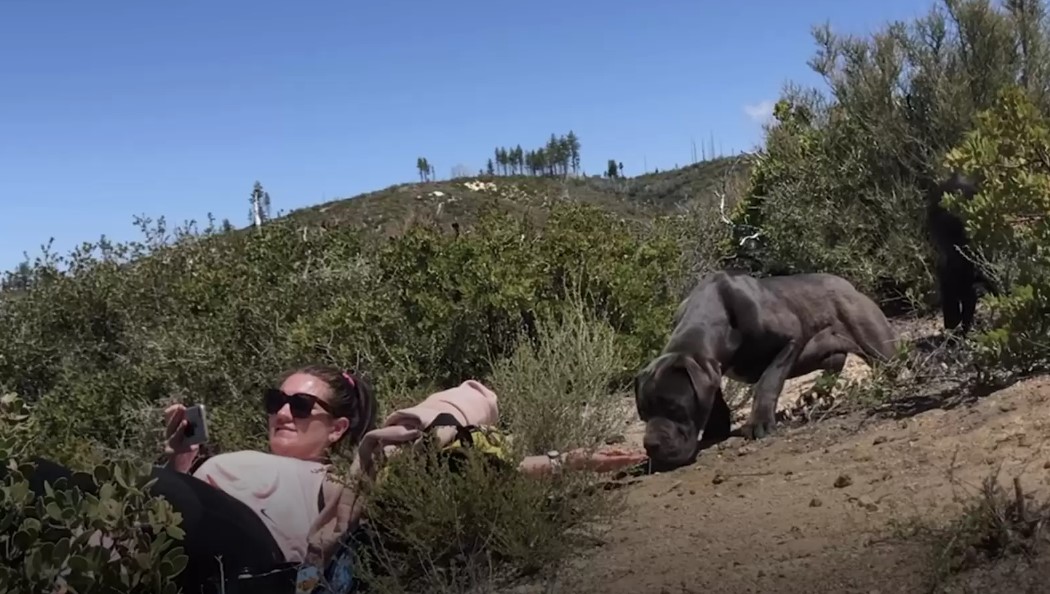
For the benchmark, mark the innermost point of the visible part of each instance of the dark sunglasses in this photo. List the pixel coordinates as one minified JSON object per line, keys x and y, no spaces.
{"x":301,"y":405}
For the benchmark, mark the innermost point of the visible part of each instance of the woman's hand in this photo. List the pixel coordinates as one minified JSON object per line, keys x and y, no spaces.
{"x":382,"y":442}
{"x":180,"y":456}
{"x":603,"y":459}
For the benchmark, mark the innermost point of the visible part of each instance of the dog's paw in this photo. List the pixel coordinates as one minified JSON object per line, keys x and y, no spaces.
{"x":753,"y":430}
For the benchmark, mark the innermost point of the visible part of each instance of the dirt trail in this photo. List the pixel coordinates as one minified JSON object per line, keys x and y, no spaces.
{"x":814,"y":508}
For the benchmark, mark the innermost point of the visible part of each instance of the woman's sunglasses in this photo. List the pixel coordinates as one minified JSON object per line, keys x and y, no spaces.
{"x":301,"y":405}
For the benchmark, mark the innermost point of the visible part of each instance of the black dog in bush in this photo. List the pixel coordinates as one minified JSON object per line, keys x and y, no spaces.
{"x":957,"y":275}
{"x":760,"y":331}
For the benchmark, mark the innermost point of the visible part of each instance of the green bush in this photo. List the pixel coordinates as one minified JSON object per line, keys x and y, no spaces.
{"x":432,"y":530}
{"x":50,"y":541}
{"x":555,"y":391}
{"x":112,"y":331}
{"x":1009,"y":222}
{"x":834,"y":188}
{"x":104,"y":338}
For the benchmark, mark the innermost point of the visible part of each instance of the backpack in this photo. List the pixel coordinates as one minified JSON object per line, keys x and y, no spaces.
{"x":488,"y":440}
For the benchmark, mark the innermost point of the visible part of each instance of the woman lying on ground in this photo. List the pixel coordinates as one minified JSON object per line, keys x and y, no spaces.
{"x":257,"y":510}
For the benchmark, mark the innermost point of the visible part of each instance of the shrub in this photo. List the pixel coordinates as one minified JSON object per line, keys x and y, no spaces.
{"x":432,"y":530}
{"x":120,"y":540}
{"x":105,"y":337}
{"x":473,"y":294}
{"x":555,"y":392}
{"x":1009,"y":221}
{"x":834,"y":187}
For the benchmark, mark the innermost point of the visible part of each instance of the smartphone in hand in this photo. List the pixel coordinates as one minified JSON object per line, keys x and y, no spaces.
{"x":196,"y":430}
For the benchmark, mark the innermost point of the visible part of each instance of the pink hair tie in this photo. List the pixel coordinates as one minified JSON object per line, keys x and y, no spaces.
{"x":349,"y":379}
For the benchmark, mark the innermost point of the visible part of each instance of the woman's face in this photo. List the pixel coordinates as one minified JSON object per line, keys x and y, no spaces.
{"x":305,"y":438}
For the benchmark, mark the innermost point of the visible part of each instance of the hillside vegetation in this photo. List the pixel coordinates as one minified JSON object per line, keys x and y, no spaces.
{"x":501,"y":277}
{"x":461,"y":200}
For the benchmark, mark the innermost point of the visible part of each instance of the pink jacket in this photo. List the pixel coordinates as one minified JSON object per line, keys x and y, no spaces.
{"x":471,"y":402}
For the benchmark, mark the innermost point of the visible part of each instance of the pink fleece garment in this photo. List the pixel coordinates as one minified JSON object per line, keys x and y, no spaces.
{"x":472,"y":403}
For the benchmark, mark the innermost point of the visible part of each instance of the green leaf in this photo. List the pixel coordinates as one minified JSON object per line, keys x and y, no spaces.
{"x":22,"y":540}
{"x":34,"y":563}
{"x":119,"y":476}
{"x":178,"y":563}
{"x":62,"y":547}
{"x":175,"y":532}
{"x":102,"y":474}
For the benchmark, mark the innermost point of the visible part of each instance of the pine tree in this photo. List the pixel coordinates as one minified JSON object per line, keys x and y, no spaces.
{"x":574,"y":151}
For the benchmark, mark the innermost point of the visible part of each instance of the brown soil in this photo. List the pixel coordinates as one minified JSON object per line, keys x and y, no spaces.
{"x":827,"y":507}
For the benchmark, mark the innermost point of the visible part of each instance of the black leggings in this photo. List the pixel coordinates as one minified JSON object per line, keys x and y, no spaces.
{"x":215,"y":523}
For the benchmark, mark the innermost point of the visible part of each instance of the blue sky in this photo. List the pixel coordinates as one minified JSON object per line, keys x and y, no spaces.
{"x":110,"y":109}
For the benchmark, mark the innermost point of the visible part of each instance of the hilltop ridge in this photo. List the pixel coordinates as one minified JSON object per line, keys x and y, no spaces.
{"x":390,"y":210}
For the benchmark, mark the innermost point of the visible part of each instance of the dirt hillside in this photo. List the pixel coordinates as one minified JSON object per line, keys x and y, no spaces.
{"x":829,"y":506}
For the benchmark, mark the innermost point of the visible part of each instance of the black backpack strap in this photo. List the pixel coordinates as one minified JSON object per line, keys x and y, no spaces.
{"x":450,"y":420}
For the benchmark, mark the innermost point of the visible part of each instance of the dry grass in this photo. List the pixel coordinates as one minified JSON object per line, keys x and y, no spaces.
{"x":438,"y":531}
{"x":555,"y":392}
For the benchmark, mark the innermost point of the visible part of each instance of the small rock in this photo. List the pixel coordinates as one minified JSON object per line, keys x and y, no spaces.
{"x":718,"y":479}
{"x":1046,"y":465}
{"x":844,"y":480}
{"x":815,"y":502}
{"x":615,"y":439}
{"x":1006,"y":406}
{"x":867,"y":504}
{"x":879,"y":439}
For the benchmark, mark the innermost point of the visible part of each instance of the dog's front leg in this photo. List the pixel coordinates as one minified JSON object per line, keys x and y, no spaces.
{"x":767,"y":392}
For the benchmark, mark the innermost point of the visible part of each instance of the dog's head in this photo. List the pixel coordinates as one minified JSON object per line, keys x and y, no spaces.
{"x":674,"y":395}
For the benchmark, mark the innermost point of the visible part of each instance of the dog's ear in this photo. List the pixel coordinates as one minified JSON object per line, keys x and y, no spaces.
{"x":706,"y":381}
{"x":701,"y":377}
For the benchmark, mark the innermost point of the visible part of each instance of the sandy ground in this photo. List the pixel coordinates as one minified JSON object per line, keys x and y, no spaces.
{"x":820,"y":507}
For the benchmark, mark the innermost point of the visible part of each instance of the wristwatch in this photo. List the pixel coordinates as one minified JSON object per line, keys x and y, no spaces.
{"x":555,"y":458}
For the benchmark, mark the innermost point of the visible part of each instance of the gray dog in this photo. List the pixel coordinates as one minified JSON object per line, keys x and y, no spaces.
{"x":758,"y":331}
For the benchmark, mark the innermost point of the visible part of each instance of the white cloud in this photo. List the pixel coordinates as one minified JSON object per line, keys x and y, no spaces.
{"x":761,"y":111}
